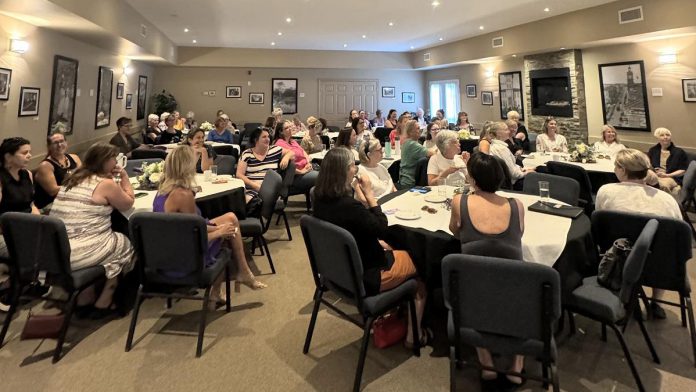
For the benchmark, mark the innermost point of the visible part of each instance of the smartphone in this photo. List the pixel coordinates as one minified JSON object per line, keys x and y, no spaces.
{"x":140,"y":194}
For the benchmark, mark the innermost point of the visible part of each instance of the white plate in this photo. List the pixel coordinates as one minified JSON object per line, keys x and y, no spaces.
{"x":433,"y":197}
{"x":225,"y":176}
{"x":407,"y":214}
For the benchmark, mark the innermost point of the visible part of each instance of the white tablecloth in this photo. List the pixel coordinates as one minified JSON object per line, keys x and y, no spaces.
{"x":536,"y":159}
{"x":384,"y":162}
{"x":144,"y":203}
{"x":544,"y":235}
{"x":300,"y":135}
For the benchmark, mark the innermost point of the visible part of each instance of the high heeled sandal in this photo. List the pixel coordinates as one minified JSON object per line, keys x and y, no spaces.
{"x":248,"y":281}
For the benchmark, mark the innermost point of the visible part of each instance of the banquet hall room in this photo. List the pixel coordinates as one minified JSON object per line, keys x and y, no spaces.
{"x":94,"y":74}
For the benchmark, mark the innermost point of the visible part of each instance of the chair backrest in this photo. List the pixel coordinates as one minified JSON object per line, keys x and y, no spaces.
{"x":271,"y":187}
{"x":665,"y":267}
{"x":133,"y":165}
{"x":525,"y":302}
{"x":226,"y":164}
{"x":148,"y":153}
{"x":635,"y":262}
{"x":326,"y":140}
{"x":507,"y":180}
{"x":333,"y":128}
{"x":22,"y":232}
{"x":394,"y":170}
{"x":422,"y":171}
{"x":248,"y":127}
{"x":334,"y":258}
{"x":475,"y":150}
{"x":228,"y":149}
{"x":532,"y":141}
{"x":170,"y":246}
{"x":382,"y":134}
{"x":688,"y":184}
{"x":575,"y":172}
{"x":288,"y":175}
{"x":564,"y":189}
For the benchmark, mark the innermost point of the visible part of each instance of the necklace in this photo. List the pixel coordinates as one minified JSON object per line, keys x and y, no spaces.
{"x":64,"y":165}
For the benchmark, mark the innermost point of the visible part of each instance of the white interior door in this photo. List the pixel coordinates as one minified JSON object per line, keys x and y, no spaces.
{"x":337,"y":97}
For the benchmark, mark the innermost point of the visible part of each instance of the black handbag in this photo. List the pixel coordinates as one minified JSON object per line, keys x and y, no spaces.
{"x":610,"y":272}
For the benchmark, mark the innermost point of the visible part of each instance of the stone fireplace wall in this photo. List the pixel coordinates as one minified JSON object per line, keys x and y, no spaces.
{"x":573,"y":128}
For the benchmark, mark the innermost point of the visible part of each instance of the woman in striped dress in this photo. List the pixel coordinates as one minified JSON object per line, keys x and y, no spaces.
{"x":84,"y":203}
{"x":259,"y":159}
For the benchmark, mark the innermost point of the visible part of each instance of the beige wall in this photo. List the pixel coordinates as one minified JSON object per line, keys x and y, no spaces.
{"x":35,"y":69}
{"x":188,"y":83}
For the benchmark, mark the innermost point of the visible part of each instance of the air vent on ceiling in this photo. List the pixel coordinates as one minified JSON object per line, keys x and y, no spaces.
{"x":143,"y":30}
{"x":426,"y":56}
{"x":497,"y":42}
{"x":630,"y":15}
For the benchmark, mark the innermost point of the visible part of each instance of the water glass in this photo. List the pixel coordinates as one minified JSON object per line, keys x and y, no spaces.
{"x":544,"y":191}
{"x":442,"y":187}
{"x":207,"y":175}
{"x":214,"y":171}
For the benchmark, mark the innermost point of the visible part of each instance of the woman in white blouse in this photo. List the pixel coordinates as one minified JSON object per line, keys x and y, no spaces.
{"x":550,"y":140}
{"x":500,"y":149}
{"x":449,"y":163}
{"x":610,"y":142}
{"x":371,"y":154}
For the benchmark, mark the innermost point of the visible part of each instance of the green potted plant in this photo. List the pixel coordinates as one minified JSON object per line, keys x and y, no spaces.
{"x":164,"y":102}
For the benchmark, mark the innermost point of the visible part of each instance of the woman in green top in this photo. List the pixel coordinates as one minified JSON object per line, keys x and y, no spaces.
{"x":411,"y":152}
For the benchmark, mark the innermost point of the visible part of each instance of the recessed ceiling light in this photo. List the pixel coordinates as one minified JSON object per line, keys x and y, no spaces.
{"x":195,"y":42}
{"x":186,"y":30}
{"x":345,"y":45}
{"x":364,"y":36}
{"x":441,"y":39}
{"x":480,"y":27}
{"x":280,"y":33}
{"x":546,"y":9}
{"x":288,"y":20}
{"x":514,"y":55}
{"x":272,"y":43}
{"x":562,"y":48}
{"x":435,"y":3}
{"x":413,"y":47}
{"x":391,"y":24}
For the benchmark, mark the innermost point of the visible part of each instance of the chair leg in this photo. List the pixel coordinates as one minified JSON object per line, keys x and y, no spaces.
{"x":228,"y":304}
{"x":264,"y":245}
{"x":134,"y":318}
{"x":692,"y":325}
{"x":453,"y":370}
{"x":14,"y":303}
{"x":682,"y":308}
{"x":313,"y":320}
{"x":363,"y":354}
{"x":253,"y":245}
{"x":278,"y":219}
{"x":648,"y":341}
{"x":545,"y":374}
{"x":201,"y":327}
{"x":169,"y":303}
{"x":629,"y":359}
{"x":604,"y":332}
{"x":64,"y":328}
{"x":561,"y":323}
{"x":287,"y":226}
{"x":571,"y":323}
{"x":414,"y":327}
{"x":554,"y":378}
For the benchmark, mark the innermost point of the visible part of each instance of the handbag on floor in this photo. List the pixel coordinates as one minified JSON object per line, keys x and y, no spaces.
{"x":610,"y":272}
{"x":389,"y":330}
{"x":42,"y":326}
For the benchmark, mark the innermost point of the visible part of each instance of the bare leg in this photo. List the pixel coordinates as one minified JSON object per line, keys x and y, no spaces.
{"x":421,"y":296}
{"x":517,"y":365}
{"x":485,"y":359}
{"x":244,"y":274}
{"x":107,"y":295}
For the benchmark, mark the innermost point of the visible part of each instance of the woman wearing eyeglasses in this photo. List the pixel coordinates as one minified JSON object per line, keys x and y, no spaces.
{"x":432,"y":131}
{"x":53,"y":170}
{"x":371,"y":154}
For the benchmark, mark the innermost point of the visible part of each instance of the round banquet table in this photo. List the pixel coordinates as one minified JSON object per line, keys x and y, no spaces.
{"x":578,"y":259}
{"x":600,"y":173}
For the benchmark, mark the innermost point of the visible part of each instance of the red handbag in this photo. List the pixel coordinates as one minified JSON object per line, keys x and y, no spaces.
{"x":389,"y":330}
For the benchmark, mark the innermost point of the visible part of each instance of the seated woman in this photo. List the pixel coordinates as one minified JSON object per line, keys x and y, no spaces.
{"x":299,"y":126}
{"x":669,"y":163}
{"x":152,"y":131}
{"x":432,"y":130}
{"x":363,"y":218}
{"x":500,"y":149}
{"x":85,"y":203}
{"x":486,"y":138}
{"x":633,"y":195}
{"x":220,"y":134}
{"x":411,"y":153}
{"x":179,"y":123}
{"x":513,"y":143}
{"x":176,"y":194}
{"x":463,"y":122}
{"x":311,"y":142}
{"x":53,"y":169}
{"x":550,"y":140}
{"x":521,"y":133}
{"x":170,"y":135}
{"x":122,"y":139}
{"x":205,"y":155}
{"x":346,"y":138}
{"x":391,"y":120}
{"x":229,"y":125}
{"x":191,"y":121}
{"x":305,"y":176}
{"x":378,"y":121}
{"x":259,"y":159}
{"x":351,"y":116}
{"x":361,"y":133}
{"x":371,"y":154}
{"x":489,"y":225}
{"x":399,"y":130}
{"x":449,"y":163}
{"x":610,"y":142}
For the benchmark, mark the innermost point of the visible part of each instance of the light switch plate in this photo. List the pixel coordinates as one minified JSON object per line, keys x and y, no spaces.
{"x":79,"y":92}
{"x":91,"y":92}
{"x":205,"y":93}
{"x":656,"y":92}
{"x":301,"y":95}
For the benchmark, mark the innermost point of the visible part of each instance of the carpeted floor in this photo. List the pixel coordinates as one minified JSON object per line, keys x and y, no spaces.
{"x":258,"y":347}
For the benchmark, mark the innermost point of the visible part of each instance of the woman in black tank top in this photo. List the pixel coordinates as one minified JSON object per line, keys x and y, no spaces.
{"x":54,"y":169}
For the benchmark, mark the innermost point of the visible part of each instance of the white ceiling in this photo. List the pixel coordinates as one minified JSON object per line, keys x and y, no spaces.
{"x":331,"y":24}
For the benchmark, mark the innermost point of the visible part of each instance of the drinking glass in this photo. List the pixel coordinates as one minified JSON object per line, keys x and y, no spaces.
{"x":207,"y":175}
{"x":544,"y":191}
{"x":442,"y":187}
{"x":213,"y":172}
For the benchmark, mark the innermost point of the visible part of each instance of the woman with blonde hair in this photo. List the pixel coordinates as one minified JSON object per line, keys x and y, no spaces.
{"x":311,"y":142}
{"x":550,"y":140}
{"x":668,"y":161}
{"x":411,"y":153}
{"x":486,"y":138}
{"x":521,"y":133}
{"x":610,"y":142}
{"x":176,"y":194}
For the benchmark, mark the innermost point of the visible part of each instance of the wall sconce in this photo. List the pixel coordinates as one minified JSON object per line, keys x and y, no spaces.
{"x":127,"y":70}
{"x":489,"y":73}
{"x":18,"y":46}
{"x":668,"y":58}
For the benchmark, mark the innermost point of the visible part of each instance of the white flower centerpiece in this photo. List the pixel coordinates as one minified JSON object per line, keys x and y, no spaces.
{"x":464,"y":134}
{"x":206,"y":126}
{"x":583,"y":154}
{"x":152,"y":174}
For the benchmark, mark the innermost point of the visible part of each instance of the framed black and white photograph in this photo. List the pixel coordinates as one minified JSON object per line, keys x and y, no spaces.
{"x":624,"y":96}
{"x":233,"y":92}
{"x":142,"y":97}
{"x":5,"y":79}
{"x":119,"y":90}
{"x":284,"y":95}
{"x":388,"y":92}
{"x":510,"y":88}
{"x":63,"y":91}
{"x":487,"y":98}
{"x":688,"y":89}
{"x":29,"y":101}
{"x":408,"y":97}
{"x":256,"y":99}
{"x":102,"y":117}
{"x":471,"y":91}
{"x":129,"y":101}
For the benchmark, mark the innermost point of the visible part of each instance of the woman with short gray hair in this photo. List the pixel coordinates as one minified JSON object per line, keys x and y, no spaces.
{"x":449,"y":163}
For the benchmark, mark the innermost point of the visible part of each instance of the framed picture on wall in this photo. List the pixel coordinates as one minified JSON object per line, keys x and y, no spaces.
{"x":256,"y":98}
{"x":688,"y":89}
{"x":5,"y":79}
{"x":624,"y":96}
{"x":129,"y":101}
{"x":388,"y":92}
{"x":29,"y":101}
{"x":102,"y":117}
{"x":510,"y":87}
{"x":471,"y":91}
{"x":142,"y":97}
{"x":119,"y":90}
{"x":233,"y":92}
{"x":63,"y":90}
{"x":408,"y":97}
{"x":487,"y":98}
{"x":284,"y":95}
